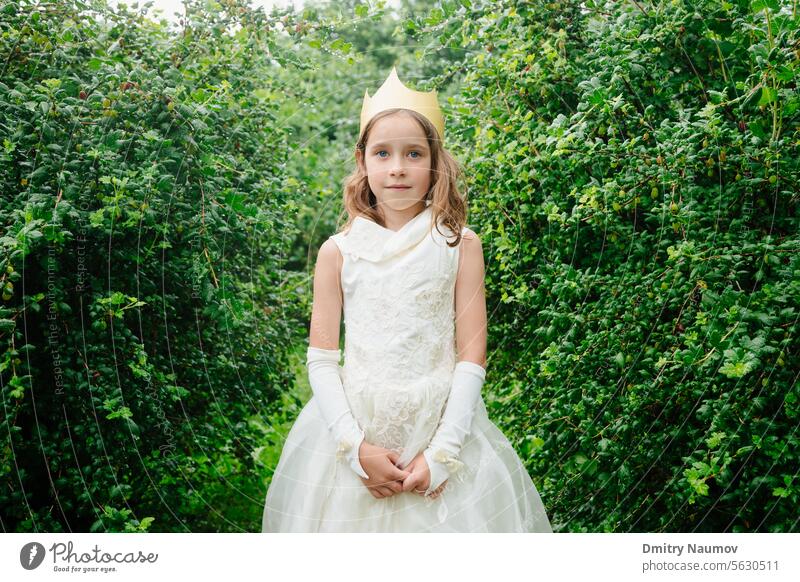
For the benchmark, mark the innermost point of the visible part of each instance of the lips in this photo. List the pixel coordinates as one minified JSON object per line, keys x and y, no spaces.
{"x":399,"y":187}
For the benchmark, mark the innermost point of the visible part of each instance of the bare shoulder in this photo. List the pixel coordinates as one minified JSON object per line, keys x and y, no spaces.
{"x":471,"y":255}
{"x":327,"y":273}
{"x":329,"y":260}
{"x":471,"y":244}
{"x":329,"y":252}
{"x":328,"y":248}
{"x":469,"y":235}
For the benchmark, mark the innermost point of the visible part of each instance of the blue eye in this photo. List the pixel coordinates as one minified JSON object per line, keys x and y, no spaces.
{"x":378,"y":153}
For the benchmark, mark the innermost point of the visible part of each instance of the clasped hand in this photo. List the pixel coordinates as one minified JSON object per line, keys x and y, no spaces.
{"x":386,"y":478}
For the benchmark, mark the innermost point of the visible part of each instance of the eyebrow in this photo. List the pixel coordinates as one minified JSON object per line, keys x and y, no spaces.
{"x":411,"y":145}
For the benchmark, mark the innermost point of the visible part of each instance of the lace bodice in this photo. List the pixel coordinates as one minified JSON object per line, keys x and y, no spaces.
{"x":399,"y":355}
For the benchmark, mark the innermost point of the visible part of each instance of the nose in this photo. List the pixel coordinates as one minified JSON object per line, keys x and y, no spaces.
{"x":398,"y":169}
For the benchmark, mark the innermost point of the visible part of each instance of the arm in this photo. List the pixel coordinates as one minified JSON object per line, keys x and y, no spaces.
{"x":471,"y":302}
{"x":470,"y":371}
{"x":326,"y":311}
{"x":323,"y":357}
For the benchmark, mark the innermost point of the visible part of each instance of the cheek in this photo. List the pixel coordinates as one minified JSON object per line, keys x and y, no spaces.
{"x":373,"y":168}
{"x":423,"y":174}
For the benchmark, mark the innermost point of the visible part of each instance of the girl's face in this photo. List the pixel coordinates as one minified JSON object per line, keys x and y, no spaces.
{"x":397,"y":154}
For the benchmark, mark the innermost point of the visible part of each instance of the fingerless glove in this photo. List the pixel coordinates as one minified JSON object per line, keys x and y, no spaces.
{"x":445,"y":446}
{"x":326,"y":384}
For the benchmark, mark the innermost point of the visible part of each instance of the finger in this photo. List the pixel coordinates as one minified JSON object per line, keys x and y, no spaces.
{"x":387,"y":492}
{"x":389,"y":482}
{"x":393,"y":456}
{"x":411,"y":482}
{"x":398,"y":474}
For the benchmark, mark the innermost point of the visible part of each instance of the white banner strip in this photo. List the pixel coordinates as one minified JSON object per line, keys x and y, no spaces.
{"x":401,"y":557}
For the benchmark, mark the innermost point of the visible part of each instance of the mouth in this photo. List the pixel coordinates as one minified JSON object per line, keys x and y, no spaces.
{"x":399,"y":187}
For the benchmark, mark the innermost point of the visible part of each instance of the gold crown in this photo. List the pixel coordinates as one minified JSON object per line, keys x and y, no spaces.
{"x":394,"y":94}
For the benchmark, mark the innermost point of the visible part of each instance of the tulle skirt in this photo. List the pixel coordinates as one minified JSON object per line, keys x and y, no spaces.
{"x":313,"y":491}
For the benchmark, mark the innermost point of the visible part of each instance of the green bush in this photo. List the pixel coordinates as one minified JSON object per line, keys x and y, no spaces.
{"x":634,"y":176}
{"x":144,"y":322}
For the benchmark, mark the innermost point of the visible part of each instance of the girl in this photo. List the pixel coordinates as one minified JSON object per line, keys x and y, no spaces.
{"x":398,"y":438}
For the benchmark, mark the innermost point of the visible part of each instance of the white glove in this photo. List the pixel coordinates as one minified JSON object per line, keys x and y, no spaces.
{"x":326,"y":383}
{"x":445,"y":446}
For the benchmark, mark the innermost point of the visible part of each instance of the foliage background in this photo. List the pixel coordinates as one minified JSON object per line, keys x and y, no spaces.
{"x":632,"y":173}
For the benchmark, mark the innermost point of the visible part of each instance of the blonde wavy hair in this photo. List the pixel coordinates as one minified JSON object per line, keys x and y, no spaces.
{"x":448,"y":205}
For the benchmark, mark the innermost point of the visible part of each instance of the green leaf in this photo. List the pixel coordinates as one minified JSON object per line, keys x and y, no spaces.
{"x":768,"y":95}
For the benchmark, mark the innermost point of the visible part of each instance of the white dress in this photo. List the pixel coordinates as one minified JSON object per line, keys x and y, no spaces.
{"x":399,"y":357}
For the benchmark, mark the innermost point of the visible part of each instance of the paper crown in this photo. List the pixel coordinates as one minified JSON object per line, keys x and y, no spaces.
{"x":394,"y":94}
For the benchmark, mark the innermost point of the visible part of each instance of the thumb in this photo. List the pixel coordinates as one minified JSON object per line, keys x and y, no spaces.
{"x":411,"y":482}
{"x":399,"y":474}
{"x":393,"y":456}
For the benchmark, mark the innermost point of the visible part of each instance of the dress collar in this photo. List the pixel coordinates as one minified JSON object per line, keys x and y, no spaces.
{"x":372,"y":242}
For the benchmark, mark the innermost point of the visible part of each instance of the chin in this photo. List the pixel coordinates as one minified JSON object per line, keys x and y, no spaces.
{"x":403,"y":203}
